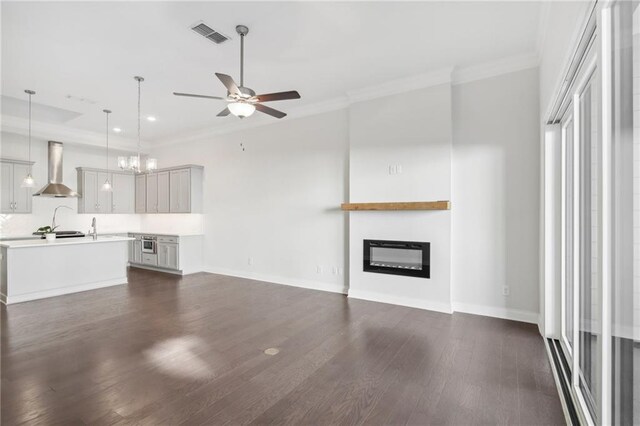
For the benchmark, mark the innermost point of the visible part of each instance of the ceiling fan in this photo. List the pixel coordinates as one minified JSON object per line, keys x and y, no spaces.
{"x":242,"y":100}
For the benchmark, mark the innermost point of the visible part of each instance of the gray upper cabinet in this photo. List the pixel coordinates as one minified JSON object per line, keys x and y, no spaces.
{"x":14,"y":198}
{"x":186,"y":190}
{"x":123,"y":198}
{"x":104,"y":197}
{"x":152,"y":193}
{"x":157,"y":192}
{"x":88,"y":190}
{"x":174,"y":190}
{"x":181,"y":191}
{"x":6,"y":187}
{"x":141,"y":194}
{"x":93,"y":200}
{"x":163,"y":192}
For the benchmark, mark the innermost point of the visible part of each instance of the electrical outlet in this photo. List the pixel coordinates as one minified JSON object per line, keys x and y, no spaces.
{"x":340,"y":270}
{"x":391,"y":170}
{"x":505,"y":290}
{"x":318,"y":269}
{"x":335,"y":270}
{"x":398,"y":169}
{"x":250,"y":261}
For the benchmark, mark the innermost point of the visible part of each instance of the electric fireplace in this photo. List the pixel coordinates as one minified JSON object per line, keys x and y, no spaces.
{"x":409,"y":258}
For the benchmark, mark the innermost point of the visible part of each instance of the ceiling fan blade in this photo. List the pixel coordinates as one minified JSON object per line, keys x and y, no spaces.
{"x":268,"y":110}
{"x":197,"y":96}
{"x":224,"y":113}
{"x":280,"y":96}
{"x":228,"y":83}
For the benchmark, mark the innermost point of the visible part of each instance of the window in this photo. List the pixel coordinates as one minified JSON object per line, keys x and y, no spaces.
{"x":600,"y":217}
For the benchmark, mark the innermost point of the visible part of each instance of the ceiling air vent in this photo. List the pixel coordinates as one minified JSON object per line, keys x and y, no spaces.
{"x":209,"y":33}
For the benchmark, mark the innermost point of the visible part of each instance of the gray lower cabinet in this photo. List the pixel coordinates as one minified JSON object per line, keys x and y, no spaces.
{"x":135,"y":251}
{"x":168,"y":255}
{"x":149,"y":259}
{"x":14,"y":198}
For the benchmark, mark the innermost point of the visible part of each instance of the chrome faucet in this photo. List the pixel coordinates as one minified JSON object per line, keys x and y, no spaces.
{"x":53,"y":222}
{"x":93,"y":231}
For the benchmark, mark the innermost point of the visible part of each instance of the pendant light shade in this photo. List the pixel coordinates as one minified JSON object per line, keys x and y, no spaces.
{"x":106,"y":186}
{"x":152,"y":164}
{"x":123,"y":162}
{"x":29,"y":181}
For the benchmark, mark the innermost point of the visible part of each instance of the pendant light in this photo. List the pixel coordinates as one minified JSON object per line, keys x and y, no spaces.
{"x":133,"y":162}
{"x":29,"y":181}
{"x":106,"y":186}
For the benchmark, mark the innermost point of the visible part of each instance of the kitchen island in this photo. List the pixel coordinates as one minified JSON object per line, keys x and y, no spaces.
{"x":35,"y":269}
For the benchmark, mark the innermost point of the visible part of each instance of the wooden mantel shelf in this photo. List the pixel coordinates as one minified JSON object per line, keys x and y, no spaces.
{"x":410,"y":205}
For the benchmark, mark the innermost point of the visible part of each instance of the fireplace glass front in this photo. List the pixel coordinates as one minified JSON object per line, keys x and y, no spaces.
{"x":408,"y":258}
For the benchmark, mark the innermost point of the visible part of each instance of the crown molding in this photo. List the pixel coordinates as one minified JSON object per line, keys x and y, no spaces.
{"x":394,"y":87}
{"x":402,"y":85}
{"x":334,"y":104}
{"x":448,"y":75}
{"x":495,"y":68}
{"x":71,"y":135}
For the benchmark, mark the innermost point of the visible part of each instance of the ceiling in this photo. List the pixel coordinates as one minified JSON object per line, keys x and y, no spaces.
{"x":80,"y":57}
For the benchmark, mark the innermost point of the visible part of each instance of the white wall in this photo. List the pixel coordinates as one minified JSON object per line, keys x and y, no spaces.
{"x":277,"y":201}
{"x":495,"y":195}
{"x":413,"y":132}
{"x":16,"y":147}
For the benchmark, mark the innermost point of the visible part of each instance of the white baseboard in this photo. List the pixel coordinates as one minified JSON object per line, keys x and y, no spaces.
{"x":488,"y":311}
{"x":504,"y":313}
{"x":9,"y":300}
{"x":402,"y":301}
{"x":154,"y":268}
{"x":293,"y":282}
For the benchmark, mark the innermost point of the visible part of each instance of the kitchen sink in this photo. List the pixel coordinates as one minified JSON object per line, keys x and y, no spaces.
{"x":63,"y":234}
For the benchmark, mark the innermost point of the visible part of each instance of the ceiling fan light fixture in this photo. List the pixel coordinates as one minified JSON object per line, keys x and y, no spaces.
{"x":243,"y":100}
{"x":241,"y":109}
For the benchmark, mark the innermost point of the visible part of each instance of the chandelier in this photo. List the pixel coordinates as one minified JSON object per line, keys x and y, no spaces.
{"x":133,"y":162}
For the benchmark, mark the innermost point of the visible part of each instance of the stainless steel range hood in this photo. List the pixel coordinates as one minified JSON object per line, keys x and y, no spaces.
{"x":55,"y":187}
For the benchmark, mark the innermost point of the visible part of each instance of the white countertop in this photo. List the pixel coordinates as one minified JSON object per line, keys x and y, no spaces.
{"x":5,"y":238}
{"x":168,"y":234}
{"x":61,"y":242}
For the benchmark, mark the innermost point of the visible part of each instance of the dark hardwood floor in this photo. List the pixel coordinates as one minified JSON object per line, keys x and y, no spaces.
{"x":169,"y":350}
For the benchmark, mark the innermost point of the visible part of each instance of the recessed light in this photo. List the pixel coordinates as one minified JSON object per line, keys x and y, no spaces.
{"x":151,"y":118}
{"x":117,"y":129}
